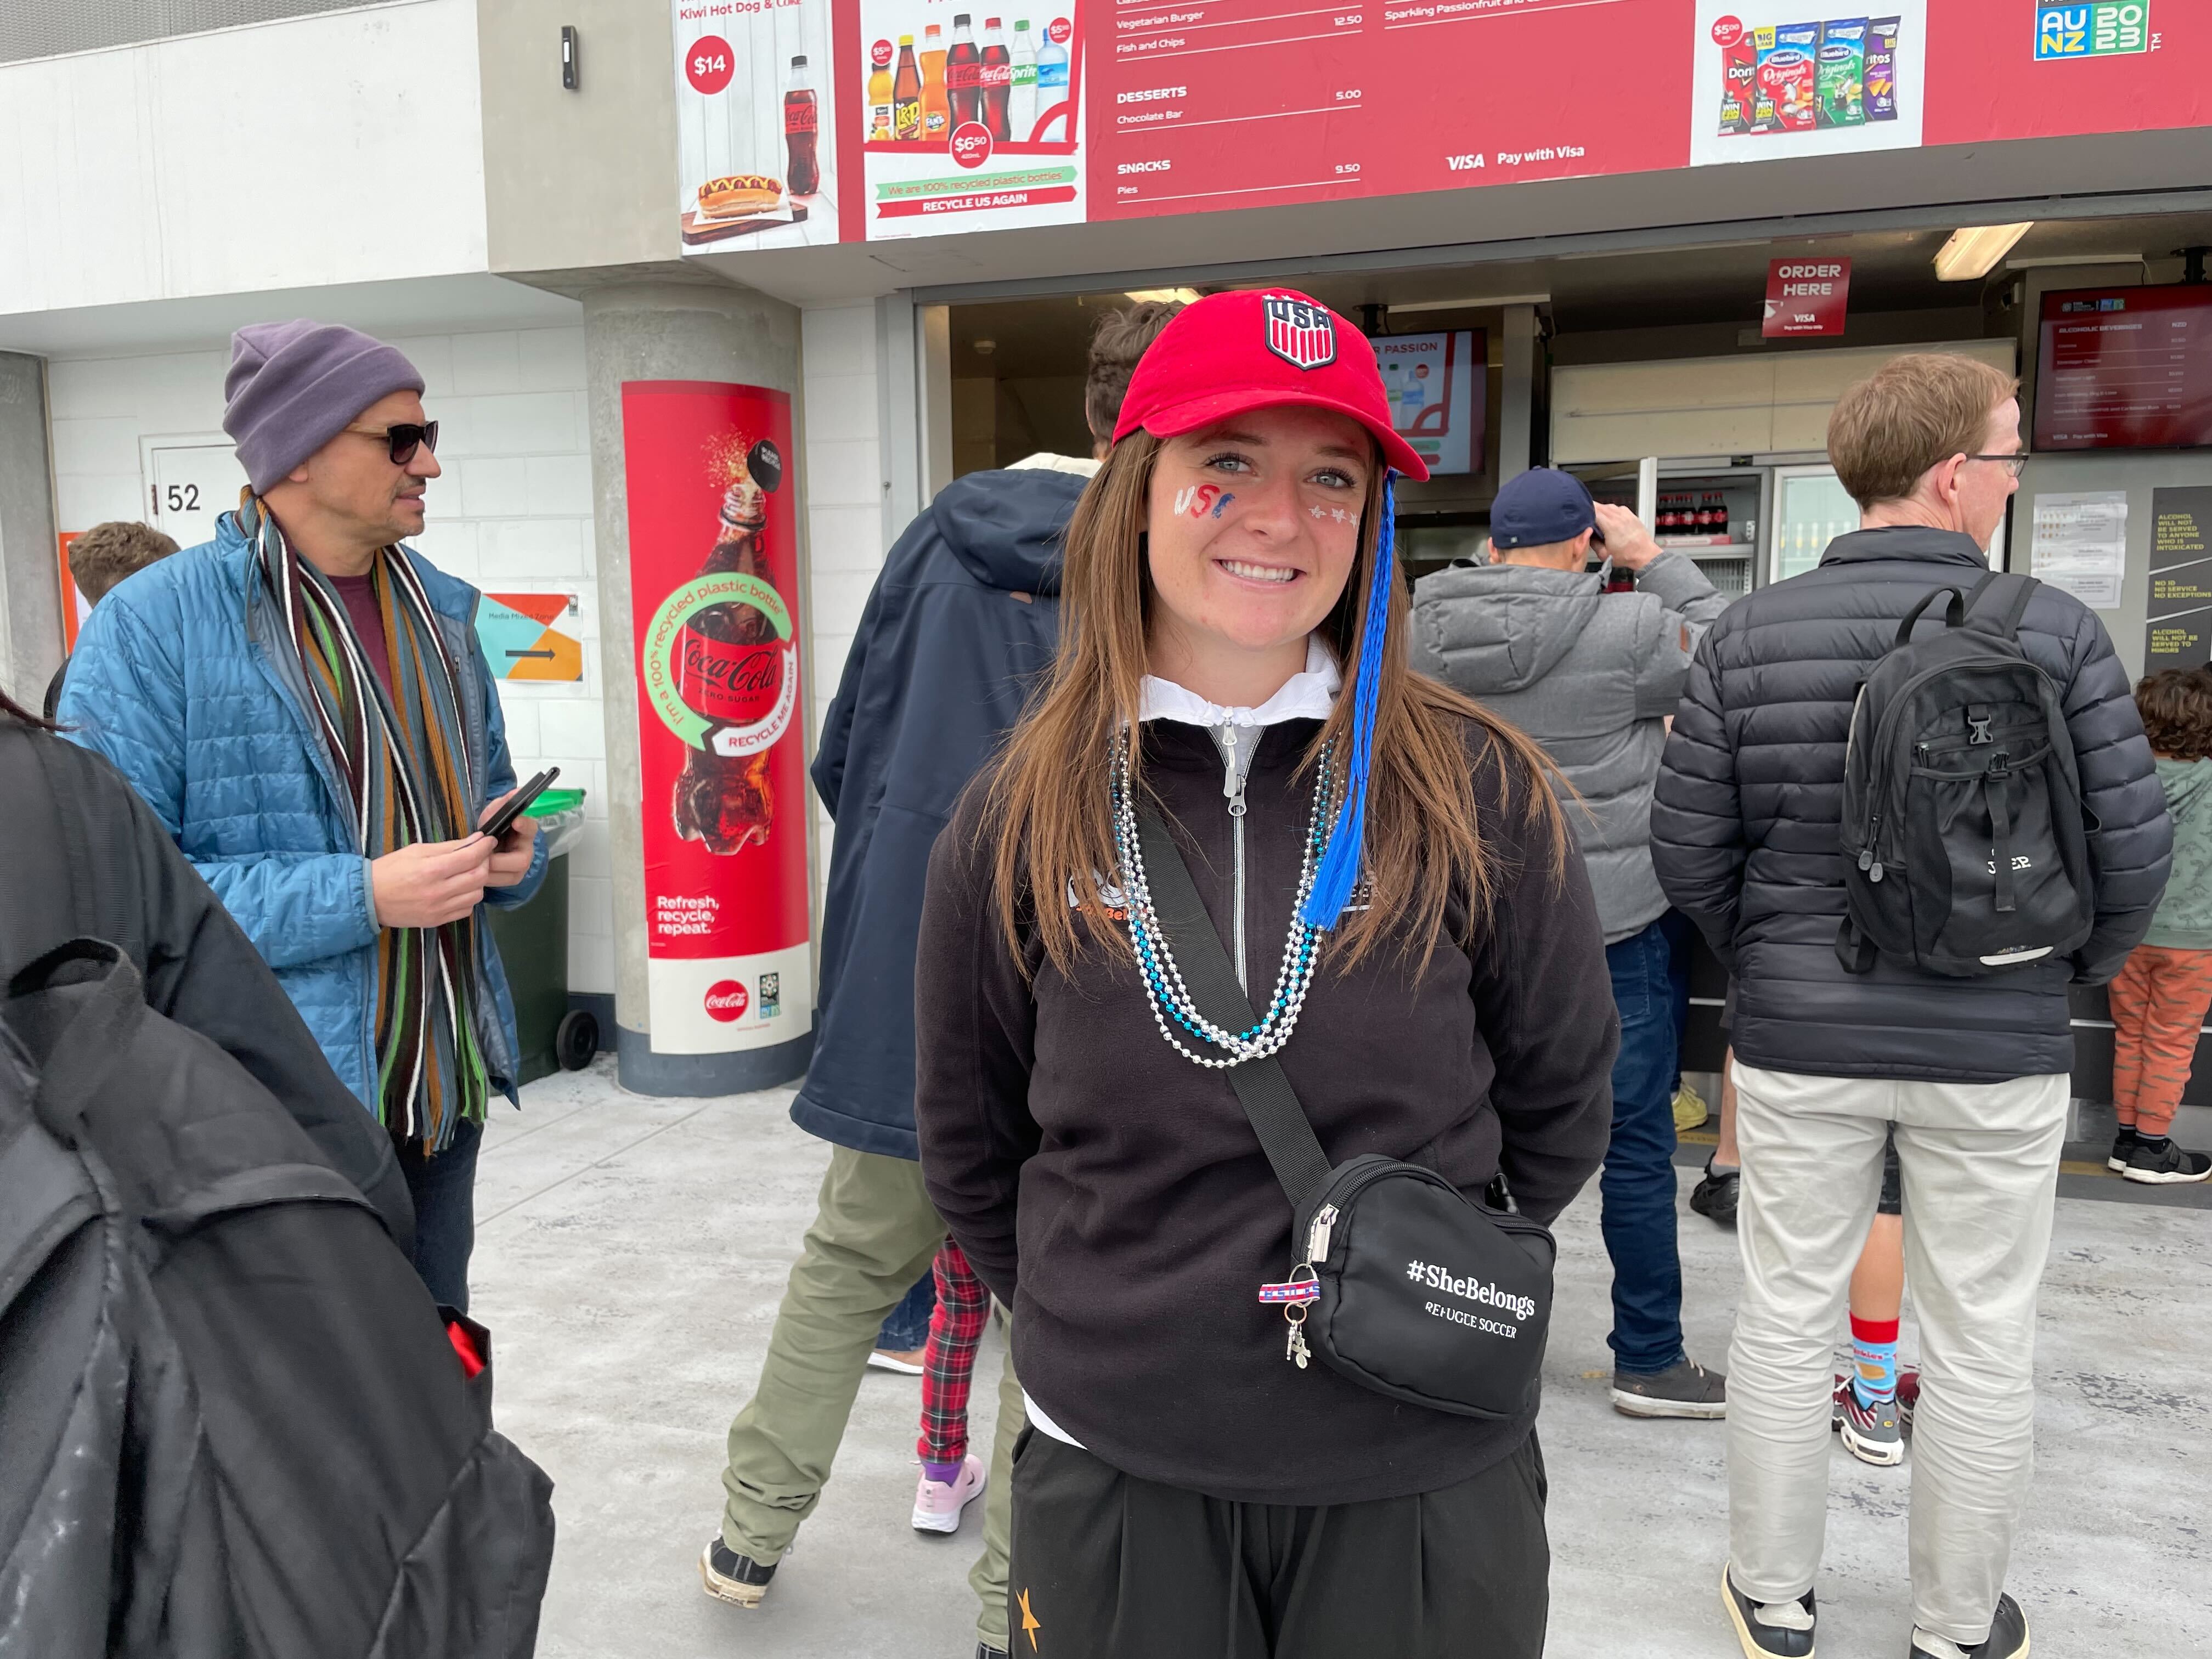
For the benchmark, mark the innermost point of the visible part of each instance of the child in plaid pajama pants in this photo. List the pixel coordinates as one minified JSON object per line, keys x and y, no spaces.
{"x":950,"y":1477}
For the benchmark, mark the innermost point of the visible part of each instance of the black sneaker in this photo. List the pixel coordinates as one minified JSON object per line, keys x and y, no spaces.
{"x":2160,"y":1163}
{"x":729,"y":1577}
{"x":2124,"y":1146}
{"x":1715,"y":1195}
{"x":985,"y":1650}
{"x":1757,"y":1628}
{"x":2007,"y":1636}
{"x":1685,"y":1388}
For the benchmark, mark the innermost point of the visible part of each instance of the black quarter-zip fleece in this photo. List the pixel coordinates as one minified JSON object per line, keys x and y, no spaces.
{"x":1113,"y":1195}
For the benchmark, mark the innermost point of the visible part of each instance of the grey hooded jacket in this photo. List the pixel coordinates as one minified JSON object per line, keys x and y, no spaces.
{"x":1591,"y":676}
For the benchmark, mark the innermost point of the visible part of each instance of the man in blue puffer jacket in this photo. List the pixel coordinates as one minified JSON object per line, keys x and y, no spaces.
{"x":303,"y":704}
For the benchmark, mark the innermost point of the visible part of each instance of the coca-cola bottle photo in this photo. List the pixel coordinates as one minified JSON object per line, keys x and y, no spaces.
{"x":731,"y":670}
{"x":963,"y":75}
{"x":998,"y":82}
{"x":803,"y":165}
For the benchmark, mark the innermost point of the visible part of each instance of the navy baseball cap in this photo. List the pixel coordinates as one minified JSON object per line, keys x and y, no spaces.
{"x":1539,"y":506}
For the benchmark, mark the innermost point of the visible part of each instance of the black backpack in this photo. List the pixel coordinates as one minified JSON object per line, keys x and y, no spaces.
{"x":1964,"y":846}
{"x":232,"y":1425}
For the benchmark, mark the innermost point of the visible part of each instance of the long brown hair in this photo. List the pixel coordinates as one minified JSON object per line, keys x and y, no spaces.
{"x":1049,"y":809}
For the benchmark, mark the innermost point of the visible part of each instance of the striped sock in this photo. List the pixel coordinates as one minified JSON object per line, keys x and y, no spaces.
{"x":1874,"y":1353}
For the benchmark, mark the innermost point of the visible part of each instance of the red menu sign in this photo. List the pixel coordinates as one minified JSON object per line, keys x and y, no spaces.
{"x":2126,"y":368}
{"x":714,"y":575}
{"x":1086,"y":111}
{"x":1806,"y":296}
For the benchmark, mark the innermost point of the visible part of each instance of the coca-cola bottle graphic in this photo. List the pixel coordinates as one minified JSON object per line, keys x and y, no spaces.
{"x":998,"y":82}
{"x":732,"y":670}
{"x":963,"y":75}
{"x":803,"y":168}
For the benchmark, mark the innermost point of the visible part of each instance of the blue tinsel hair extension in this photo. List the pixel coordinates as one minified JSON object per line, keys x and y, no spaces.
{"x":1339,"y":864}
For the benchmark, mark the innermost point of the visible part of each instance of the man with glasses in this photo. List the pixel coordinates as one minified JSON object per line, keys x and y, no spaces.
{"x":303,"y":702}
{"x":1969,"y":1074}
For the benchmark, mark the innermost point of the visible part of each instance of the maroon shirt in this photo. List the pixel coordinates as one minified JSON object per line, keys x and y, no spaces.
{"x":359,"y":593}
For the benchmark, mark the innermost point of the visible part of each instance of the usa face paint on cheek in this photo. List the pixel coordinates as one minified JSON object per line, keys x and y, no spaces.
{"x":1194,"y":501}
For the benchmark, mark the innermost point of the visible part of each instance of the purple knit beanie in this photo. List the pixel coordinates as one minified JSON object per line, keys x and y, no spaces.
{"x":294,"y":387}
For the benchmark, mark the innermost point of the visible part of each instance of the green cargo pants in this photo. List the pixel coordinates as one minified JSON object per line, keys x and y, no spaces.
{"x":873,"y":1235}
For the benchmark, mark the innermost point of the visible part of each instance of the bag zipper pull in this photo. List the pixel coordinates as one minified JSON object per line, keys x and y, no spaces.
{"x":1317,"y":1236}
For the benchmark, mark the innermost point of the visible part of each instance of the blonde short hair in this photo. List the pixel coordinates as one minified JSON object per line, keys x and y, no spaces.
{"x":103,"y":555}
{"x":1916,"y":412}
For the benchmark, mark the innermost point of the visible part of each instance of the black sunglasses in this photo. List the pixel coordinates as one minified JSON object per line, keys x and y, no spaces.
{"x":405,"y":438}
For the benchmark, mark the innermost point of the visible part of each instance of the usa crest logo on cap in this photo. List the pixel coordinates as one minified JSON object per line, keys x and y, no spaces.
{"x":1299,"y":331}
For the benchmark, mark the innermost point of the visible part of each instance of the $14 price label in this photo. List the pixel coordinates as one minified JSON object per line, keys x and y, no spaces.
{"x":709,"y":64}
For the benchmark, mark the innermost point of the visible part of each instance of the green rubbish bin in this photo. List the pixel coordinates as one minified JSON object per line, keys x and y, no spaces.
{"x":533,"y":945}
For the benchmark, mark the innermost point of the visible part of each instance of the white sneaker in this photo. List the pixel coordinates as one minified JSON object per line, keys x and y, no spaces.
{"x":938,"y":1504}
{"x":909,"y":1364}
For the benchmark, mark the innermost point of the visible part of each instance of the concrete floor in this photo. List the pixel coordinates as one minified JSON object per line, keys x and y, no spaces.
{"x":629,"y":1257}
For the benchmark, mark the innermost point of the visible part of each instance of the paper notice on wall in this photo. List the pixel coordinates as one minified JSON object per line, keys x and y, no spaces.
{"x":2082,"y":544}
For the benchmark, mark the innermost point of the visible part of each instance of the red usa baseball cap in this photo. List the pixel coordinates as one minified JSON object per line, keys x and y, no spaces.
{"x":1231,"y":352}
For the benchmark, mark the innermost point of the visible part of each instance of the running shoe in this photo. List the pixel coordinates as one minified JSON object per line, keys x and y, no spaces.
{"x":2124,"y":1146}
{"x":938,"y":1504}
{"x":2160,"y":1163}
{"x":1871,"y":1433}
{"x":1908,"y":1399}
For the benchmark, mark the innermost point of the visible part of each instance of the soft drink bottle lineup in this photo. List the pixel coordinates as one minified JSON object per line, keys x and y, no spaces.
{"x":803,"y":164}
{"x":905,"y":95}
{"x":1022,"y":90}
{"x":998,"y":73}
{"x":936,"y":108}
{"x":882,"y":108}
{"x":963,"y":75}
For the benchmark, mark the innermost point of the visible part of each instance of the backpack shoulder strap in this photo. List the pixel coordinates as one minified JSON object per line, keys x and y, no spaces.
{"x":2021,"y":589}
{"x":75,"y":1040}
{"x":1287,"y":1135}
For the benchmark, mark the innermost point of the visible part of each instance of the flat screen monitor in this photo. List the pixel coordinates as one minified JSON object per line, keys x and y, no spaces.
{"x":2126,"y":368}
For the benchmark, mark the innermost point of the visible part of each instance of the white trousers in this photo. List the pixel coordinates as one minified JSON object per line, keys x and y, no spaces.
{"x":1980,"y":1165}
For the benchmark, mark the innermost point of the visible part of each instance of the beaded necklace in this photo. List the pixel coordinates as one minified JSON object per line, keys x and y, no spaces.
{"x":1163,"y":984}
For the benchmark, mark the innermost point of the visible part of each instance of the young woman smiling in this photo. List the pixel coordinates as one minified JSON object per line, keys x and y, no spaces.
{"x":1392,"y":881}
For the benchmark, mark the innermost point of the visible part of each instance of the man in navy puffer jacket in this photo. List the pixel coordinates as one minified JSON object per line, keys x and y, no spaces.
{"x":303,"y":704}
{"x":1969,"y":1074}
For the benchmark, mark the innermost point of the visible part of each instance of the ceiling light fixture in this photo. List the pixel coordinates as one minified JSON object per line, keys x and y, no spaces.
{"x":985,"y":348}
{"x":1172,"y":296}
{"x":1973,"y":251}
{"x":1480,"y":302}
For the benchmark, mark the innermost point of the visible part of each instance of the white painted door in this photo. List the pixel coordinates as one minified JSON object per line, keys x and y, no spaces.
{"x":189,"y":483}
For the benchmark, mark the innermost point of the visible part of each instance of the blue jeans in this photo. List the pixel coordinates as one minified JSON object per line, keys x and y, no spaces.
{"x":1637,"y":1186}
{"x":908,"y":1327}
{"x":444,"y":1188}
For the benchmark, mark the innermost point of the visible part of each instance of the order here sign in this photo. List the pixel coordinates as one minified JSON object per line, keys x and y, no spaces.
{"x":1806,"y":296}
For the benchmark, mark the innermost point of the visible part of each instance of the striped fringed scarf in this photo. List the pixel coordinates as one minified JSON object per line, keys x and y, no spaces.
{"x":404,"y":759}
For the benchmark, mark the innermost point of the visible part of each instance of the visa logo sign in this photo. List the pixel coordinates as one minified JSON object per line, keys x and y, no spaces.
{"x":2100,"y":28}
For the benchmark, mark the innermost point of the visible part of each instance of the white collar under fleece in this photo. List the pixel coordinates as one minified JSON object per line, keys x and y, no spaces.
{"x":1308,"y":695}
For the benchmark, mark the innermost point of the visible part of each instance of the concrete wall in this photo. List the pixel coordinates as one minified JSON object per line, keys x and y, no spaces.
{"x":585,"y":178}
{"x":30,"y":582}
{"x":343,"y":148}
{"x":513,"y":510}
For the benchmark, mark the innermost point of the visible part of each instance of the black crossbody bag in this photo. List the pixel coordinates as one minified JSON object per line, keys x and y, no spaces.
{"x":1417,"y":1292}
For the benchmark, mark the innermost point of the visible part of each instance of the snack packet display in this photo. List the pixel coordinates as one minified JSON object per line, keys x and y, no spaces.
{"x":1739,"y":84}
{"x":1841,"y":79}
{"x":1788,"y":75}
{"x":1881,"y":68}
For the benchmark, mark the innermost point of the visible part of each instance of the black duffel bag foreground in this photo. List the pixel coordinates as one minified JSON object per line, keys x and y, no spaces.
{"x":1417,"y":1291}
{"x":232,"y":1425}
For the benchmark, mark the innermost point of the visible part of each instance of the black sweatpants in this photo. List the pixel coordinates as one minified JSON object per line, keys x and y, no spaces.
{"x":1108,"y":1567}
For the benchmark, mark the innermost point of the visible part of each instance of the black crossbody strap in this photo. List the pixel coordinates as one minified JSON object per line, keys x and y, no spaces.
{"x":1293,"y":1150}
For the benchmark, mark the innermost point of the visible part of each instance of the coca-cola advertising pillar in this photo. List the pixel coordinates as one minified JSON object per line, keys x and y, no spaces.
{"x":714,"y":572}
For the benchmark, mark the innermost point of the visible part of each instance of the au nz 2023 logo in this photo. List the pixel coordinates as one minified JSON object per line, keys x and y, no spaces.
{"x":2092,"y":28}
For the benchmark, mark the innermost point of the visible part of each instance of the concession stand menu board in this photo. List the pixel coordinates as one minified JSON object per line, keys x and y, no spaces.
{"x":2126,"y":368}
{"x":953,"y":116}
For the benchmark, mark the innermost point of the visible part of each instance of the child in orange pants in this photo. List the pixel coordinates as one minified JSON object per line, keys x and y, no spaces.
{"x":2164,"y":990}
